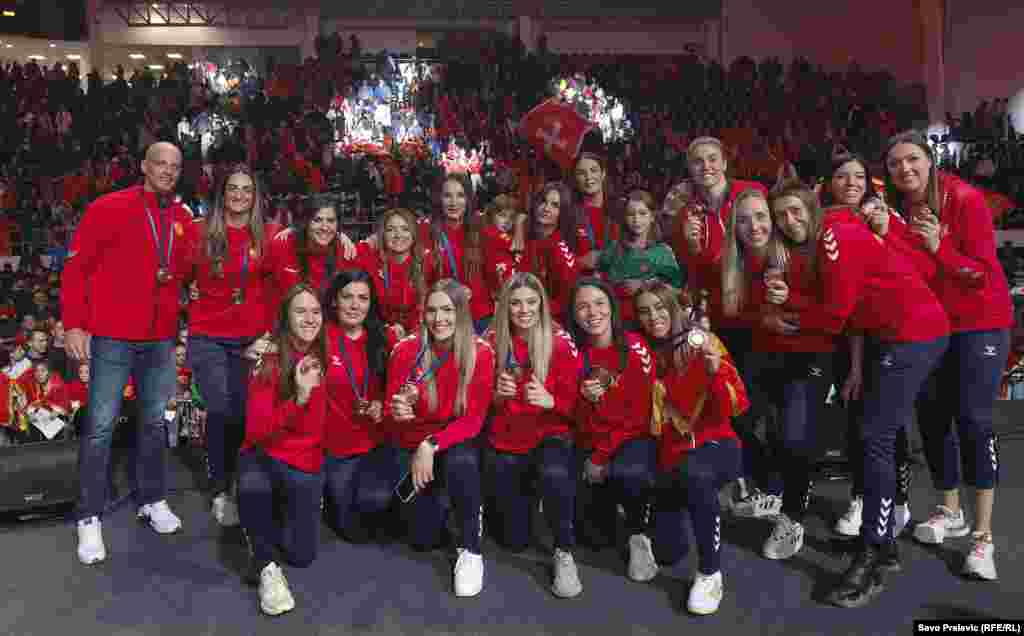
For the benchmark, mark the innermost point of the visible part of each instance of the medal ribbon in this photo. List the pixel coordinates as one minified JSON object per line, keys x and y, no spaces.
{"x":431,"y":371}
{"x":243,"y":273}
{"x":163,"y":253}
{"x":350,"y":371}
{"x":446,"y":245}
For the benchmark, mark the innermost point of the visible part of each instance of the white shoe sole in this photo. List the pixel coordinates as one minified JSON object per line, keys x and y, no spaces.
{"x":276,"y":612}
{"x":847,"y":530}
{"x":92,"y":560}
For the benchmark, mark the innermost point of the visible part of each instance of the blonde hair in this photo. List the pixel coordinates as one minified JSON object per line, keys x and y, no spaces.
{"x":539,"y":340}
{"x":735,"y":272}
{"x":463,"y":346}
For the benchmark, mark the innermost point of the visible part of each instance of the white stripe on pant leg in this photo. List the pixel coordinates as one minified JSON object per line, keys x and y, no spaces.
{"x":883,"y":516}
{"x":718,"y":532}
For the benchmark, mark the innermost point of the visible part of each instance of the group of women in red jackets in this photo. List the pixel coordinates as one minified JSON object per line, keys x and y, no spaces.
{"x":471,"y":365}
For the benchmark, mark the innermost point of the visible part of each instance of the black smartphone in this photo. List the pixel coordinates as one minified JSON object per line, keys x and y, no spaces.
{"x":405,"y":489}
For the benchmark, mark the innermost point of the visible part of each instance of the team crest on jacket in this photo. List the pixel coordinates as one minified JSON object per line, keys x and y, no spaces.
{"x":831,"y":245}
{"x":178,"y":229}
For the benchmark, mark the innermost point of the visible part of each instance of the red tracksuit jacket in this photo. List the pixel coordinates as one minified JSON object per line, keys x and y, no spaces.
{"x":215,"y":312}
{"x":862,"y":285}
{"x":284,"y":430}
{"x":551,"y":260}
{"x":110,"y":285}
{"x":399,"y":302}
{"x":518,"y":427}
{"x":481,"y":303}
{"x":970,"y":282}
{"x":442,"y":422}
{"x":624,"y":412}
{"x":346,"y":433}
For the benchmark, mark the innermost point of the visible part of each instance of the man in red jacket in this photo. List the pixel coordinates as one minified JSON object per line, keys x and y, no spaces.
{"x":122,"y":277}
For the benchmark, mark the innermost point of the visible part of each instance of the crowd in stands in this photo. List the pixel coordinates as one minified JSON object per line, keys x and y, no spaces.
{"x":65,"y":141}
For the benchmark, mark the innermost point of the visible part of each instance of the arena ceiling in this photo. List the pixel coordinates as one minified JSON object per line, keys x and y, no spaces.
{"x":695,"y":10}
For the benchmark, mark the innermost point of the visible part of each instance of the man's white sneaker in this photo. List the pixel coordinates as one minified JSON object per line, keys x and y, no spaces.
{"x":275,"y":597}
{"x":566,"y":582}
{"x":757,"y":505}
{"x":642,"y":566}
{"x":786,"y":539}
{"x":705,"y":593}
{"x":849,"y":524}
{"x":469,"y":573}
{"x":943,"y":523}
{"x":225,"y":510}
{"x":160,"y":517}
{"x":900,"y":519}
{"x":981,"y":560}
{"x":90,"y":541}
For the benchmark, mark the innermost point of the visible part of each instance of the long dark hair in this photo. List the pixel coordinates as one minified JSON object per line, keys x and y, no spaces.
{"x":580,"y":336}
{"x":613,"y":206}
{"x":302,"y":236}
{"x":416,"y":274}
{"x":287,"y":359}
{"x":376,"y":340}
{"x":215,"y":238}
{"x":471,"y":224}
{"x":838,"y":161}
{"x":567,"y":214}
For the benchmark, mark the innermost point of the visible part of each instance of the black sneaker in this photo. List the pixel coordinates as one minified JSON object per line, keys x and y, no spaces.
{"x":890,"y":561}
{"x":862,"y":581}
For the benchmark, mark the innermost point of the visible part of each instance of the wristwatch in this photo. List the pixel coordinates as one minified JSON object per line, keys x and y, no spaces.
{"x":434,"y":445}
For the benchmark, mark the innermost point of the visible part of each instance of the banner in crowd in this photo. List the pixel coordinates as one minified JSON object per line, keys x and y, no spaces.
{"x":556,"y":130}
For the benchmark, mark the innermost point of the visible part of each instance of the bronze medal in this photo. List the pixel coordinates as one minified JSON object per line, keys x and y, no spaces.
{"x":409,"y":392}
{"x":361,"y":407}
{"x":696,"y":338}
{"x":236,"y":296}
{"x":602,"y":375}
{"x":163,"y":276}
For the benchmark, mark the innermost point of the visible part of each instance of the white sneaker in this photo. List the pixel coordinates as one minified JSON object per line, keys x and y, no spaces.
{"x":943,"y":523}
{"x":469,"y":573}
{"x":275,"y":597}
{"x":225,"y":510}
{"x":90,"y":541}
{"x":849,"y":524}
{"x":981,"y":561}
{"x":160,"y":517}
{"x":705,"y":593}
{"x":900,"y":519}
{"x":566,"y":582}
{"x":757,"y":505}
{"x":642,"y":566}
{"x":786,"y":539}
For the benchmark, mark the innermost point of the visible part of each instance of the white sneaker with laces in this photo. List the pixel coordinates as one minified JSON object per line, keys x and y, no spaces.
{"x":642,"y":566}
{"x":757,"y":505}
{"x":900,"y":519}
{"x":90,"y":541}
{"x":943,"y":523}
{"x":469,"y":573}
{"x":566,"y":582}
{"x":225,"y":510}
{"x":275,"y":597}
{"x":981,"y":560}
{"x":849,"y":524}
{"x":705,"y":593}
{"x":159,"y":516}
{"x":786,"y":539}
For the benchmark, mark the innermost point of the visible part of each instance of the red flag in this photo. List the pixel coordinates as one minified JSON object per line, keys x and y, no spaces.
{"x":557,"y":130}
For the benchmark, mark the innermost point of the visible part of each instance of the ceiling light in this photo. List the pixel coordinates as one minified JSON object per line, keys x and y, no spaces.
{"x":8,"y":13}
{"x":52,"y":45}
{"x":156,"y":67}
{"x":10,"y":46}
{"x":73,"y":56}
{"x":137,"y":56}
{"x":174,"y":56}
{"x":37,"y":57}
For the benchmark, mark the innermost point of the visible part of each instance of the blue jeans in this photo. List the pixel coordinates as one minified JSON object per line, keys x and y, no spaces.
{"x":692,"y":488}
{"x":151,"y":363}
{"x":222,"y":374}
{"x":955,"y":410}
{"x":264,"y":483}
{"x":893,"y":375}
